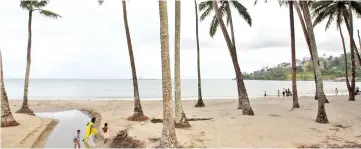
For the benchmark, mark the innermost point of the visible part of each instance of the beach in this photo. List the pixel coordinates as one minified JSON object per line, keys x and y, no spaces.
{"x":275,"y":124}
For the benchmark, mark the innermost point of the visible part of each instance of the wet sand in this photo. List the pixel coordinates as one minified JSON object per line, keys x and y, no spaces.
{"x":274,"y":125}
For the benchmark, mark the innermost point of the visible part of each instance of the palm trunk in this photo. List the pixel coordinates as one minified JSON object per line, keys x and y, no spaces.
{"x":229,"y":14}
{"x":345,"y":57}
{"x":349,"y":26}
{"x":304,"y":29}
{"x":359,"y":40}
{"x":7,"y":118}
{"x":168,"y":139}
{"x":180,"y":117}
{"x":247,"y":109}
{"x":293,"y":51}
{"x":200,"y":102}
{"x":352,"y":41}
{"x":321,"y":114}
{"x":138,"y":111}
{"x":25,"y":107}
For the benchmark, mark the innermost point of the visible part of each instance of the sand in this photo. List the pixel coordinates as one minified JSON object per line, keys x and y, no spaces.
{"x":32,"y":132}
{"x":274,"y":123}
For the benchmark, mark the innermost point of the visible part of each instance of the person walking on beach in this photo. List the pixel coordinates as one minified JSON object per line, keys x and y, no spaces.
{"x":284,"y":92}
{"x":336,"y":91}
{"x":76,"y":139}
{"x":105,"y":133}
{"x":278,"y":92}
{"x":265,"y":94}
{"x":90,"y":132}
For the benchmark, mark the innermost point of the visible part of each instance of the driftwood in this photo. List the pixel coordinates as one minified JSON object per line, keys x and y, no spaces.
{"x":156,"y":120}
{"x":122,"y":140}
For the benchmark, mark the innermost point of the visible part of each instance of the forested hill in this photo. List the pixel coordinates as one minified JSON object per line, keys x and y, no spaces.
{"x":333,"y":68}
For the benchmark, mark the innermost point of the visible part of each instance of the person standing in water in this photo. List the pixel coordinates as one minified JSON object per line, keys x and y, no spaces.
{"x":336,"y":91}
{"x":90,"y":132}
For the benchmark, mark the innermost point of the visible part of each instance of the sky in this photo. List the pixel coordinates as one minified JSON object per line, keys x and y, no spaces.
{"x":88,"y":41}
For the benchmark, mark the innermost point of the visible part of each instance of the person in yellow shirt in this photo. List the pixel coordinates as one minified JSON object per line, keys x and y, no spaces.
{"x":90,"y":132}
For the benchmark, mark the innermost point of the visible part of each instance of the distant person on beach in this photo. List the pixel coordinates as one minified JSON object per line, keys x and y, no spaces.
{"x":283,"y":92}
{"x":357,"y":91}
{"x":265,"y":94}
{"x":90,"y":132}
{"x":289,"y":92}
{"x":76,"y":139}
{"x":105,"y":133}
{"x":336,"y":91}
{"x":278,"y":92}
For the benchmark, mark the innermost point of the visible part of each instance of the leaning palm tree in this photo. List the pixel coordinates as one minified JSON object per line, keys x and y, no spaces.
{"x":180,"y":117}
{"x":168,"y":139}
{"x":200,"y":102}
{"x":247,"y":109}
{"x":138,"y":114}
{"x":32,"y":6}
{"x":225,"y":9}
{"x":7,"y":118}
{"x":340,"y":12}
{"x":321,"y":113}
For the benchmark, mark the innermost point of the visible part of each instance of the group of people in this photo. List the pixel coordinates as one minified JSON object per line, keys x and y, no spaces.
{"x":285,"y":92}
{"x":90,"y":133}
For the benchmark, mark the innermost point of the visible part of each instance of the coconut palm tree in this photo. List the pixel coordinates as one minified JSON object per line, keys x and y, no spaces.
{"x":138,"y":114}
{"x":200,"y":102}
{"x":7,"y":118}
{"x":168,"y":139}
{"x":340,"y":11}
{"x":321,"y":114}
{"x":32,"y":6}
{"x":225,"y":9}
{"x":247,"y":109}
{"x":180,"y":117}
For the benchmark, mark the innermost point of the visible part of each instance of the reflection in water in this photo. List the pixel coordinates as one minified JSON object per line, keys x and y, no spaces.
{"x":63,"y":134}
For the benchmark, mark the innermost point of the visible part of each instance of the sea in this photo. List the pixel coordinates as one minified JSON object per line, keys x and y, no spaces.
{"x":98,"y":89}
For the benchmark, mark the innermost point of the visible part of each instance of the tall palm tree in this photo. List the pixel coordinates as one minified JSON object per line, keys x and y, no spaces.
{"x":247,"y":109}
{"x":138,"y":114}
{"x":180,"y":117}
{"x":340,"y":12}
{"x":7,"y":118}
{"x":32,"y":6}
{"x":168,"y":139}
{"x":225,"y":9}
{"x":321,"y":113}
{"x":200,"y":102}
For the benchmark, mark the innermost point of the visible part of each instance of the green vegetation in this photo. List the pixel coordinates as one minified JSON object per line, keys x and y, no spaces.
{"x":333,"y":68}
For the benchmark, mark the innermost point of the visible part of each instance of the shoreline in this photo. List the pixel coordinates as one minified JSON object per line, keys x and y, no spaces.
{"x":270,"y":127}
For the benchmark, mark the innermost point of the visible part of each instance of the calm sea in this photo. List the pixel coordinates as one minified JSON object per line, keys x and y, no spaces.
{"x":151,"y":89}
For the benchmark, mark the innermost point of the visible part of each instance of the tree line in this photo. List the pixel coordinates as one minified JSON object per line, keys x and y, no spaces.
{"x":331,"y":11}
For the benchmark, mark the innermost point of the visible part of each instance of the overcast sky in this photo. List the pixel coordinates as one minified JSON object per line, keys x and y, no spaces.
{"x":89,"y":40}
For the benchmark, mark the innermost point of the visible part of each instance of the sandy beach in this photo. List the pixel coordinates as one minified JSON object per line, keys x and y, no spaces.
{"x":274,"y":123}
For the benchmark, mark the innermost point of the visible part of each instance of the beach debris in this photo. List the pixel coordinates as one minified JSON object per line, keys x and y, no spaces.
{"x":122,"y":140}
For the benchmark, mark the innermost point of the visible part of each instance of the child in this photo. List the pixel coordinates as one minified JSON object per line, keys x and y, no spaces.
{"x":105,"y":132}
{"x":76,"y":139}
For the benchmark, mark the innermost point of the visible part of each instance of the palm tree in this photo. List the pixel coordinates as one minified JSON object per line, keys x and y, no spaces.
{"x":168,"y":139}
{"x":200,"y":102}
{"x":304,"y":29}
{"x":247,"y":109}
{"x":340,"y":11}
{"x":32,"y":6}
{"x":321,"y":114}
{"x":180,"y":117}
{"x":225,"y":9}
{"x":7,"y":118}
{"x":138,"y":114}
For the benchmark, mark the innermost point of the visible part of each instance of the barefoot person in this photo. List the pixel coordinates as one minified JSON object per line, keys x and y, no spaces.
{"x":76,"y":139}
{"x":105,"y":133}
{"x":90,"y":132}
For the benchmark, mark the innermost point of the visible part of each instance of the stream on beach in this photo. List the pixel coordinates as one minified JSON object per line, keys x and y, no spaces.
{"x":64,"y":132}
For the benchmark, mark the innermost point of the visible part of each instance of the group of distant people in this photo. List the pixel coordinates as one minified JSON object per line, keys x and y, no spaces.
{"x":285,"y":92}
{"x":90,"y":133}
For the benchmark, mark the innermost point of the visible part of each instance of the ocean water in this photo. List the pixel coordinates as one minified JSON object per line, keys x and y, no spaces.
{"x":152,"y":89}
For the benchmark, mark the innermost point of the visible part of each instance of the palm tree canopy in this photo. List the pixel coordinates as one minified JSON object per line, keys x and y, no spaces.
{"x":333,"y":10}
{"x":207,"y":8}
{"x":38,"y":5}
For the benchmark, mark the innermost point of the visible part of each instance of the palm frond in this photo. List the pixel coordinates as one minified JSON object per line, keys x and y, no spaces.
{"x":100,"y":2}
{"x":214,"y":26}
{"x":324,"y":13}
{"x":26,"y":4}
{"x":50,"y":14}
{"x":41,"y":4}
{"x":330,"y":19}
{"x":243,"y":12}
{"x":206,"y":13}
{"x":256,"y":1}
{"x":205,"y":5}
{"x":356,"y":7}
